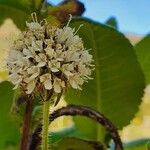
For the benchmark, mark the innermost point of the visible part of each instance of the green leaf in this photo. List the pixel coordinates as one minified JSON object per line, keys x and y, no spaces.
{"x":77,"y":144}
{"x":17,"y":10}
{"x":112,"y":22}
{"x":56,"y":136}
{"x":9,"y":131}
{"x":143,"y":54}
{"x":20,"y":10}
{"x":140,"y":144}
{"x":118,"y":82}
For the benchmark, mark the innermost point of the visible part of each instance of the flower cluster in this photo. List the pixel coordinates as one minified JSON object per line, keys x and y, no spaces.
{"x":48,"y":57}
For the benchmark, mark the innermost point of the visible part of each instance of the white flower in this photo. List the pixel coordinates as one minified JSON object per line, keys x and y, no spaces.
{"x":47,"y":81}
{"x":50,"y":52}
{"x":34,"y":26}
{"x":64,"y":34}
{"x":50,"y":58}
{"x":41,"y":59}
{"x":27,"y":53}
{"x":58,"y":85}
{"x":67,"y":69}
{"x":76,"y":81}
{"x":15,"y":79}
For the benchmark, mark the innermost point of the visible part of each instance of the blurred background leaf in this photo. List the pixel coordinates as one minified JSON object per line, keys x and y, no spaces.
{"x":59,"y":135}
{"x":66,"y":8}
{"x":143,"y":53}
{"x":112,"y":22}
{"x":9,"y":131}
{"x":140,"y":144}
{"x":20,"y":10}
{"x":17,"y":10}
{"x":118,"y":80}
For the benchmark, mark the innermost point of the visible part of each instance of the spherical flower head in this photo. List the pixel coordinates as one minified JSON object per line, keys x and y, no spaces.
{"x":45,"y":57}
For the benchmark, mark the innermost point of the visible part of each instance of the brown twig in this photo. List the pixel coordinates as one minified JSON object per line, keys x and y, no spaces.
{"x":73,"y":110}
{"x":26,"y":124}
{"x":65,"y":8}
{"x":36,"y":138}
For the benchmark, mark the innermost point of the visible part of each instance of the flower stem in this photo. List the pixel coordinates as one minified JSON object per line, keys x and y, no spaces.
{"x":46,"y":106}
{"x":26,"y":124}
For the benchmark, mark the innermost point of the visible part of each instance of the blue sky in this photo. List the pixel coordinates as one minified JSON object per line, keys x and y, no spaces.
{"x":133,"y":16}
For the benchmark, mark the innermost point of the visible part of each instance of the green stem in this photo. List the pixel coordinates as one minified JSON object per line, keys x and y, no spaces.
{"x":46,"y":106}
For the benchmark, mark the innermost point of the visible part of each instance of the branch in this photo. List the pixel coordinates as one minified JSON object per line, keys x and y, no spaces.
{"x":64,"y":9}
{"x":73,"y":110}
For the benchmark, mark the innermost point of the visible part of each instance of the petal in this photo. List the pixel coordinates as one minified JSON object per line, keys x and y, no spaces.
{"x":60,"y":59}
{"x":45,"y":77}
{"x":48,"y":84}
{"x":34,"y":75}
{"x":16,"y":86}
{"x":57,"y":64}
{"x":73,"y":83}
{"x":30,"y":87}
{"x":27,"y":80}
{"x":15,"y":79}
{"x":63,"y":84}
{"x":57,"y":87}
{"x":68,"y":73}
{"x":40,"y":44}
{"x":33,"y":69}
{"x":27,"y":53}
{"x":33,"y":25}
{"x":54,"y":69}
{"x":37,"y":58}
{"x":41,"y":64}
{"x":42,"y":56}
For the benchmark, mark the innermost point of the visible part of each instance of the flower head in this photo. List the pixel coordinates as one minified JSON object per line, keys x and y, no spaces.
{"x":49,"y":58}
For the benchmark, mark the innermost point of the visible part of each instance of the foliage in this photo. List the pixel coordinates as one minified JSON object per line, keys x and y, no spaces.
{"x":118,"y":79}
{"x":9,"y":131}
{"x":140,"y":144}
{"x":20,"y":10}
{"x":17,"y":10}
{"x":112,"y":22}
{"x":77,"y":144}
{"x":143,"y":53}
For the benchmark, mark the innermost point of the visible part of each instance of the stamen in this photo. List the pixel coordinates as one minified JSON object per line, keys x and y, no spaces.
{"x":70,"y":18}
{"x":43,"y":22}
{"x":78,"y":29}
{"x":89,"y":49}
{"x":34,"y":17}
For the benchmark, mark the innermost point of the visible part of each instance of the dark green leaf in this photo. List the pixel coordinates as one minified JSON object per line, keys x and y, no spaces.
{"x":9,"y":131}
{"x":112,"y":22}
{"x":143,"y":54}
{"x":20,"y":10}
{"x":118,"y":82}
{"x":78,"y":144}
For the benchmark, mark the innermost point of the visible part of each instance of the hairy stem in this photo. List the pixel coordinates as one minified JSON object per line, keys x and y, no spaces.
{"x":26,"y":124}
{"x":46,"y":105}
{"x":74,"y":110}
